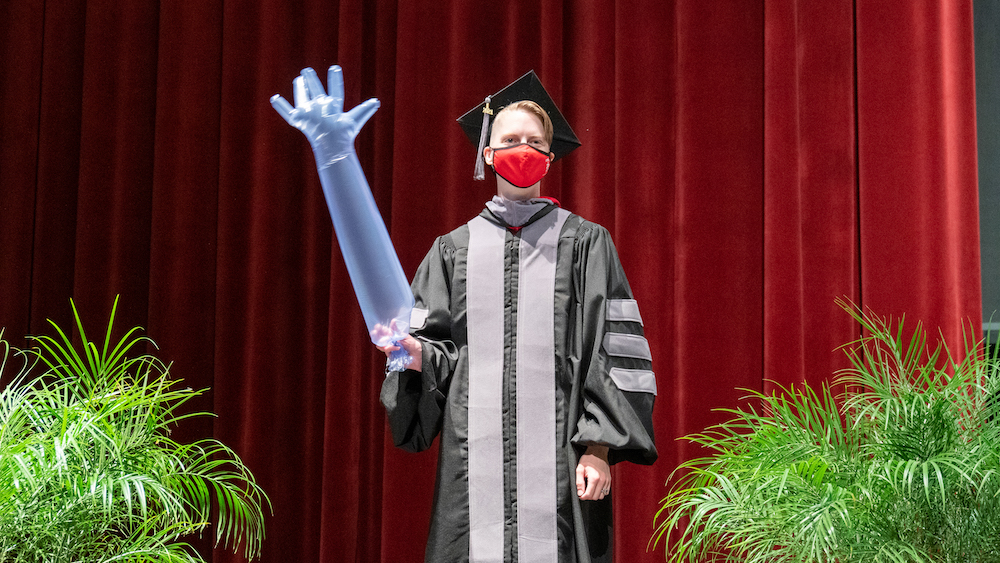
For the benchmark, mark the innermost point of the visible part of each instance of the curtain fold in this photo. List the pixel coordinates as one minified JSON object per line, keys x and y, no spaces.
{"x":19,"y":141}
{"x":917,"y":137}
{"x":644,"y":232}
{"x":718,"y":199}
{"x":810,"y":188}
{"x":753,"y":160}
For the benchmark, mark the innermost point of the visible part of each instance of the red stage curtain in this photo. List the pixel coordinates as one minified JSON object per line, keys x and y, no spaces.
{"x":754,"y":160}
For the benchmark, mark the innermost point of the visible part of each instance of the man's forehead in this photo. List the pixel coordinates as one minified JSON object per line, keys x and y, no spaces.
{"x":519,"y":119}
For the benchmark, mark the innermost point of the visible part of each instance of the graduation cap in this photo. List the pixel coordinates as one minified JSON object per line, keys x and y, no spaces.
{"x":478,"y":121}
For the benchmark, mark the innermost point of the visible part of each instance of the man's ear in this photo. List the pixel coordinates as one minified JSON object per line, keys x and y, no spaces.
{"x":488,"y":155}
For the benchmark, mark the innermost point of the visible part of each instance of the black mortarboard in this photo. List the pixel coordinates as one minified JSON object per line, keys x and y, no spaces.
{"x":477,"y":121}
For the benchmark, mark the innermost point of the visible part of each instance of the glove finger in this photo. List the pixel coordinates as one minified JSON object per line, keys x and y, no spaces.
{"x":283,"y":108}
{"x":335,"y":86}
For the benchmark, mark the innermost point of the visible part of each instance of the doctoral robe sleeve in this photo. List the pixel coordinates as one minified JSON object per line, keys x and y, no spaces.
{"x":414,"y":400}
{"x":619,"y":386}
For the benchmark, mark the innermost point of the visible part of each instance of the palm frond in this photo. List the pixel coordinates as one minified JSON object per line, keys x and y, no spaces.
{"x":88,"y":471}
{"x":902,"y":466}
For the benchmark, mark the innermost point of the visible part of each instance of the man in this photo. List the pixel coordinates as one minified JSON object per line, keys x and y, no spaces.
{"x":528,"y":359}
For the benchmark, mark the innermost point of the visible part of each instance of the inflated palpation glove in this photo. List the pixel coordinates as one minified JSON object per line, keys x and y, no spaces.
{"x":376,"y":274}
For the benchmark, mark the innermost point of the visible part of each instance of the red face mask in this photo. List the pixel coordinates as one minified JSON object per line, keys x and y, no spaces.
{"x":521,"y":165}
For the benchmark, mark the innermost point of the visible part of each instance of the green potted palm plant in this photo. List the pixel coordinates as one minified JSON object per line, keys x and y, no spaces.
{"x":902,"y":464}
{"x":88,"y":470}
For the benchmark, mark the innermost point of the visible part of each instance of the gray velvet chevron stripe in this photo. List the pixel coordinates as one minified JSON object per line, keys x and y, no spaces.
{"x":635,"y":380}
{"x":627,"y":346}
{"x":624,"y":310}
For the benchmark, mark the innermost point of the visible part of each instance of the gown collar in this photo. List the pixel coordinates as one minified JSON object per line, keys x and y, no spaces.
{"x":516,"y":214}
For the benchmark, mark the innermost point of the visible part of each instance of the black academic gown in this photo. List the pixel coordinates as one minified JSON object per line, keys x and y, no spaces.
{"x":533,"y":349}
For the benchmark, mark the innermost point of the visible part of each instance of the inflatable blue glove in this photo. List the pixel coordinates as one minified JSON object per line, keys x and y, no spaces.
{"x":377,"y":277}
